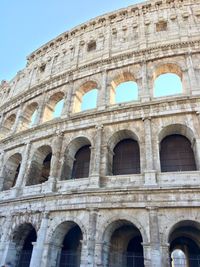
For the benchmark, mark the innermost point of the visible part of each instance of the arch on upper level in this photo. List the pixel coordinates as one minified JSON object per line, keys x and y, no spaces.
{"x":77,"y":159}
{"x":8,"y":124}
{"x":85,"y":96}
{"x":167,"y":80}
{"x":11,"y":171}
{"x":177,"y":152}
{"x":29,"y":115}
{"x":54,"y":106}
{"x":123,"y":88}
{"x":123,"y":153}
{"x":40,"y":167}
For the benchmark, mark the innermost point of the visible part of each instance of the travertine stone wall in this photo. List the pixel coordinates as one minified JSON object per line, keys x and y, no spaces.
{"x":139,"y":42}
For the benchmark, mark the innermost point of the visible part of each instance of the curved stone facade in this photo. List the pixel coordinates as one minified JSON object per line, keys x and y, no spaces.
{"x":103,"y":211}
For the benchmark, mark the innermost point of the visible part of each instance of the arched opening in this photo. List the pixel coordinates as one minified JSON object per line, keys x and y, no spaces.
{"x":86,"y":97}
{"x":81,"y":163}
{"x":54,"y":107}
{"x":167,"y":80}
{"x":89,"y":100}
{"x":29,"y":117}
{"x":184,"y":243}
{"x":8,"y":125}
{"x":71,"y":248}
{"x":176,"y":154}
{"x":126,"y":158}
{"x":23,"y":238}
{"x":125,"y":246}
{"x":66,"y":245}
{"x":40,"y":166}
{"x":11,"y":171}
{"x":123,"y":89}
{"x":77,"y":159}
{"x":178,"y":258}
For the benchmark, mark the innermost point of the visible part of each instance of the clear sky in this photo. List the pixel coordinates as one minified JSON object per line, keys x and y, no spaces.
{"x":27,"y":24}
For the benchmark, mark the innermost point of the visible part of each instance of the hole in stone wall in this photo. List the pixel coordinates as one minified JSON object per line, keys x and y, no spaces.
{"x":161,"y":26}
{"x":91,"y":46}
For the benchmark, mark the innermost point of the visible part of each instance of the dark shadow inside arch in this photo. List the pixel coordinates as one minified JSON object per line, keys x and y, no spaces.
{"x":77,"y":159}
{"x":126,"y":158}
{"x":185,"y":245}
{"x":11,"y":171}
{"x":23,"y":239}
{"x":176,"y":154}
{"x":40,"y":166}
{"x":71,"y":248}
{"x":81,"y":163}
{"x":125,"y":246}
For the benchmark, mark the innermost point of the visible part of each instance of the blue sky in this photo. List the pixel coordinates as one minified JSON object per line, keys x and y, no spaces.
{"x":28,"y":24}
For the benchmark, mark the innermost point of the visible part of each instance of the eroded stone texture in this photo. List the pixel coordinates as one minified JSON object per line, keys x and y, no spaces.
{"x":103,"y":216}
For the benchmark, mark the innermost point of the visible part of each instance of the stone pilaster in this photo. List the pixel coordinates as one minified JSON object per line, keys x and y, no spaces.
{"x":67,"y":101}
{"x":149,"y":173}
{"x":154,"y":237}
{"x":17,"y":120}
{"x":38,"y":247}
{"x":102,"y":100}
{"x":196,"y":149}
{"x":194,"y":86}
{"x":145,"y":93}
{"x":7,"y":248}
{"x":55,"y":162}
{"x":165,"y":255}
{"x":40,"y":111}
{"x":2,"y":152}
{"x":22,"y":170}
{"x":95,"y":161}
{"x":91,"y":237}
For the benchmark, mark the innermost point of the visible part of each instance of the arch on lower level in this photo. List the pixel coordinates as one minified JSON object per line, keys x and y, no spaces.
{"x":184,"y":244}
{"x":66,"y":245}
{"x":122,"y":245}
{"x":21,"y":245}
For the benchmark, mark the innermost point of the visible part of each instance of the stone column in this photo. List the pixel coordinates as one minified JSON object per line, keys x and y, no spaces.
{"x":166,"y":262}
{"x":18,"y":120}
{"x":55,"y":162}
{"x":38,"y":247}
{"x":196,"y":149}
{"x":40,"y":111}
{"x":91,"y":237}
{"x":18,"y":186}
{"x":145,"y":93}
{"x":2,"y":152}
{"x":149,"y":173}
{"x":2,"y":115}
{"x":102,"y":100}
{"x":154,"y":237}
{"x":67,"y":101}
{"x":194,"y":87}
{"x":98,"y":254}
{"x":7,"y":247}
{"x":95,"y":161}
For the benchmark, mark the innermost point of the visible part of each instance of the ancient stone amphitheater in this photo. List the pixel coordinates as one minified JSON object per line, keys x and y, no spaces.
{"x":116,"y":185}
